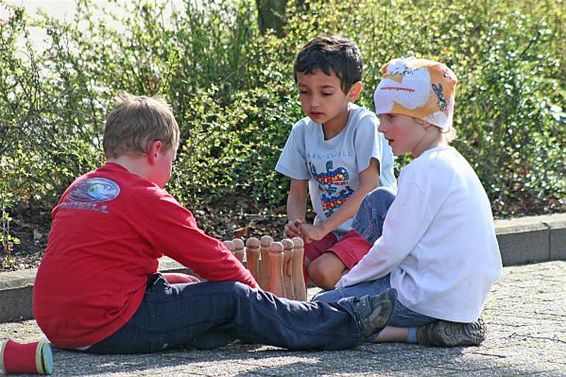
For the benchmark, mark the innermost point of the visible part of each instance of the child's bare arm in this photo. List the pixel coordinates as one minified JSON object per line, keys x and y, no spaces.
{"x":296,"y":207}
{"x":368,"y":179}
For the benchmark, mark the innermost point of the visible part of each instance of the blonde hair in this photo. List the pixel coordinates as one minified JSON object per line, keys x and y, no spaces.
{"x":449,"y":135}
{"x":446,"y":135}
{"x":136,"y":122}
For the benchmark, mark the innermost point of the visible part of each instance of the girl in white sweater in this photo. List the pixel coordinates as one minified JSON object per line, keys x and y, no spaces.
{"x":437,"y":246}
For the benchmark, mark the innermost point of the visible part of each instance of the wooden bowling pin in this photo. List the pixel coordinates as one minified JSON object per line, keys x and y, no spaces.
{"x":288,"y":268}
{"x":298,"y":276}
{"x":265,"y":242}
{"x":276,"y":269}
{"x":252,"y":256}
{"x":239,"y":249}
{"x":230,"y":246}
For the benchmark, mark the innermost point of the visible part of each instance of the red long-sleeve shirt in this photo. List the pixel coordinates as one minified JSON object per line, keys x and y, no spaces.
{"x":108,"y":230}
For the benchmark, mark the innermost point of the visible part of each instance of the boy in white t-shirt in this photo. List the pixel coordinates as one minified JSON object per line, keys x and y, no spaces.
{"x":437,"y":246}
{"x":336,"y":155}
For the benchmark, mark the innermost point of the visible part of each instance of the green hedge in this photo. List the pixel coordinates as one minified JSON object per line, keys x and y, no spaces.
{"x":234,"y":97}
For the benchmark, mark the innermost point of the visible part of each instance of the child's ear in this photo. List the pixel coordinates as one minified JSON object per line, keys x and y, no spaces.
{"x":154,"y":150}
{"x":354,"y":92}
{"x":423,"y":123}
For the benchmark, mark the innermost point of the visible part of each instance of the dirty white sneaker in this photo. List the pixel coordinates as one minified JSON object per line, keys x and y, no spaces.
{"x":452,"y":334}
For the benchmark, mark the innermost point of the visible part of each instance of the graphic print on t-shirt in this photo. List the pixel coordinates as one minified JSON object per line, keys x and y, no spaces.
{"x":86,"y":194}
{"x":333,"y":185}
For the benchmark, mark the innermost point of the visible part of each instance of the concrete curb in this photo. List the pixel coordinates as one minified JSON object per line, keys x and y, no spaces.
{"x":532,"y":239}
{"x":521,"y":241}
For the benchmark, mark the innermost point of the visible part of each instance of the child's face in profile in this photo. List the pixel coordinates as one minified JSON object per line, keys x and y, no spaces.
{"x":322,"y":98}
{"x":404,"y":133}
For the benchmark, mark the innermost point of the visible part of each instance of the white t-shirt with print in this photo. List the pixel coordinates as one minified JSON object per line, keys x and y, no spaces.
{"x":438,"y":240}
{"x":333,"y":166}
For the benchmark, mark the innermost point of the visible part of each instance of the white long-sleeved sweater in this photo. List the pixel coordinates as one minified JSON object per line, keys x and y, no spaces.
{"x":438,"y":240}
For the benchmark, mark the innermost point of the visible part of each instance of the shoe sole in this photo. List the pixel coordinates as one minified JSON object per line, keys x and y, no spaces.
{"x":380,"y":318}
{"x":453,"y":334}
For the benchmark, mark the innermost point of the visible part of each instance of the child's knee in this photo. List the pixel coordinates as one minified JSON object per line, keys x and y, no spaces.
{"x":322,"y":277}
{"x":368,"y":221}
{"x":227,"y":288}
{"x":381,"y":197}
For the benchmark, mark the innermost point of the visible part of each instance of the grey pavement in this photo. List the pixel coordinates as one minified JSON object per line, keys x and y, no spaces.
{"x":525,"y":314}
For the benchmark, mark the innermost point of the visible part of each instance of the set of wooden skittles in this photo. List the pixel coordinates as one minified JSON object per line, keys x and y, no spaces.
{"x":276,"y":266}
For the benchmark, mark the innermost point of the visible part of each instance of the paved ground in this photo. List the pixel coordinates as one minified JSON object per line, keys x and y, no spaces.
{"x":526,"y":315}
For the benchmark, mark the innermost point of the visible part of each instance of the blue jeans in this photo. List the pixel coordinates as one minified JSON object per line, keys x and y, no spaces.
{"x":213,"y":314}
{"x":401,"y":317}
{"x":369,"y":223}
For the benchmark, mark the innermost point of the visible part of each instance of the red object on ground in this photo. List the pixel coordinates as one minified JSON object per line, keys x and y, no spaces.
{"x":31,"y":358}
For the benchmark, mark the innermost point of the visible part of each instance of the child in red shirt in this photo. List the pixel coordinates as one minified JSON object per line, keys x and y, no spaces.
{"x":97,"y":288}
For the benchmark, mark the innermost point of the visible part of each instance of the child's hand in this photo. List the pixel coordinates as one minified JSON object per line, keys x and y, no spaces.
{"x":312,"y":232}
{"x":292,"y":228}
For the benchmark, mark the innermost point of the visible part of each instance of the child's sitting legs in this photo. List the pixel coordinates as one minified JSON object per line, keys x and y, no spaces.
{"x":326,"y":270}
{"x":331,"y":258}
{"x":408,"y":326}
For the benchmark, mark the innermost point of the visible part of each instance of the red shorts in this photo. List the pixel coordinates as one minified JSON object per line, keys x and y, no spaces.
{"x":350,"y":249}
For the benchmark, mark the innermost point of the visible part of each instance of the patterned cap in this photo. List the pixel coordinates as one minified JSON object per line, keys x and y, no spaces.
{"x":420,"y":88}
